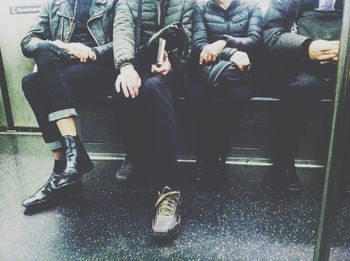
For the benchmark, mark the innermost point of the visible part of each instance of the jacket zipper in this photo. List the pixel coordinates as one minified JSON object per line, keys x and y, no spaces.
{"x":87,"y":25}
{"x":159,"y":12}
{"x":228,"y":27}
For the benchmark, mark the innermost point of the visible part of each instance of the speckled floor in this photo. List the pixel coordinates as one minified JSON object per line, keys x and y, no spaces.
{"x":239,"y":219}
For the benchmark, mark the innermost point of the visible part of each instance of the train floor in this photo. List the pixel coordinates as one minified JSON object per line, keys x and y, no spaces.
{"x":239,"y":219}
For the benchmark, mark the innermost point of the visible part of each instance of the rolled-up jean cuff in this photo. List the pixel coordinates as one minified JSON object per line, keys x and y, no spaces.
{"x":59,"y":115}
{"x":55,"y":145}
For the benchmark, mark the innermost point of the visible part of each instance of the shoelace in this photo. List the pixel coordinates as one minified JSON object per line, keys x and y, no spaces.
{"x":167,"y":201}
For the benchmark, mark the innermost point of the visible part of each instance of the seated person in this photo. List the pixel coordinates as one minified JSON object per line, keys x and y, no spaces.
{"x":226,"y":34}
{"x":71,"y":43}
{"x":144,"y":98}
{"x":305,"y":71}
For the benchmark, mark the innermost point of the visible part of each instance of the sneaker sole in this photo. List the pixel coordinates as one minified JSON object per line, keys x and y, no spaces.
{"x":170,"y":234}
{"x":121,"y":180}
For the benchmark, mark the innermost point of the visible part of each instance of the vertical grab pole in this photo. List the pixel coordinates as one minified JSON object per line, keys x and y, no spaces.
{"x":339,"y":133}
{"x":6,"y":97}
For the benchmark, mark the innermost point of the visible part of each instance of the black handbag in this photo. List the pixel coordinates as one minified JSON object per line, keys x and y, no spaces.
{"x":222,"y":72}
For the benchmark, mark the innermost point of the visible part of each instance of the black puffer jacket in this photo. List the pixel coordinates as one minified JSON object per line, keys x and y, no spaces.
{"x":279,"y":20}
{"x":240,"y":24}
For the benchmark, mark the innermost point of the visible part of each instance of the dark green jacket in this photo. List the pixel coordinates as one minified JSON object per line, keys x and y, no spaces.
{"x":53,"y":23}
{"x":154,"y":17}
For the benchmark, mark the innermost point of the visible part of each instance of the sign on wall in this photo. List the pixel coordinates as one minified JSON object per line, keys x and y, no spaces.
{"x":24,"y":9}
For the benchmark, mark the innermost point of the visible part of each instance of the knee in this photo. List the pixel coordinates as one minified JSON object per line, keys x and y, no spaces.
{"x":47,"y":54}
{"x":28,"y":84}
{"x":306,"y":85}
{"x":240,"y":93}
{"x":152,"y":87}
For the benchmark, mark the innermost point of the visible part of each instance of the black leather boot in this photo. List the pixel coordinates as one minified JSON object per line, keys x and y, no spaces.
{"x":78,"y":162}
{"x":208,"y":169}
{"x":285,"y":178}
{"x":46,"y":192}
{"x":293,"y":181}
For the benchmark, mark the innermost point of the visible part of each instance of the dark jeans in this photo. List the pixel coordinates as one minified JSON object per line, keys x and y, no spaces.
{"x":216,"y":112}
{"x":148,"y":125}
{"x":59,"y":83}
{"x":300,"y":98}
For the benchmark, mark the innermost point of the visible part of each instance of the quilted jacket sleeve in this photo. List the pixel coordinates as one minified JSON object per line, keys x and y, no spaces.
{"x":254,"y":35}
{"x":187,"y":17}
{"x":124,"y":28}
{"x":278,"y":23}
{"x":200,"y":36}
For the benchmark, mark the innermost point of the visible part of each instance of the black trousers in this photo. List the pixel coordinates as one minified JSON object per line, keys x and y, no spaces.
{"x":148,"y":126}
{"x":300,"y":99}
{"x":216,"y":112}
{"x":60,"y":82}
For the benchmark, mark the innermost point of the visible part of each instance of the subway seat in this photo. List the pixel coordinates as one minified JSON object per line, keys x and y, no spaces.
{"x":249,"y":141}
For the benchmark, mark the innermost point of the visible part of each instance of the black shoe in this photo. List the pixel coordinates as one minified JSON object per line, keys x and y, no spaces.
{"x":201,"y":171}
{"x":125,"y":171}
{"x":78,"y":162}
{"x":293,"y":181}
{"x":347,"y":189}
{"x":221,"y":168}
{"x":167,"y":220}
{"x":283,"y":179}
{"x":47,"y":192}
{"x":210,"y":170}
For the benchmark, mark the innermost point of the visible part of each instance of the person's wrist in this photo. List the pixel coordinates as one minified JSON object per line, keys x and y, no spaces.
{"x":234,"y":55}
{"x":224,"y":37}
{"x":305,"y":48}
{"x":126,"y":67}
{"x":222,"y":43}
{"x":59,"y":44}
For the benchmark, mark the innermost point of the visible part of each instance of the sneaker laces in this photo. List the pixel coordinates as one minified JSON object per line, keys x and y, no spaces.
{"x":166,"y":202}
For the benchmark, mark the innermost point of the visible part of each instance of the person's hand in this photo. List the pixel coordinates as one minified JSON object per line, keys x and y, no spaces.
{"x":334,"y":53}
{"x":211,"y":51}
{"x":79,"y":51}
{"x":241,"y":59}
{"x":324,"y":51}
{"x":128,"y":81}
{"x":165,"y":68}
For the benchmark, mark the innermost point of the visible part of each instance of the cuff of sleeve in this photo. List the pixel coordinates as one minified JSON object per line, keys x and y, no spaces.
{"x":125,"y":64}
{"x":305,"y":48}
{"x":98,"y":55}
{"x":227,"y":53}
{"x":229,"y":39}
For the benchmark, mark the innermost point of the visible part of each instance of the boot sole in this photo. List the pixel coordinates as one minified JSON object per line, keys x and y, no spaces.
{"x":38,"y":203}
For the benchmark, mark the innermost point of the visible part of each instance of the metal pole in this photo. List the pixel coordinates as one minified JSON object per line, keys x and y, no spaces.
{"x":6,"y":97}
{"x":337,"y":146}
